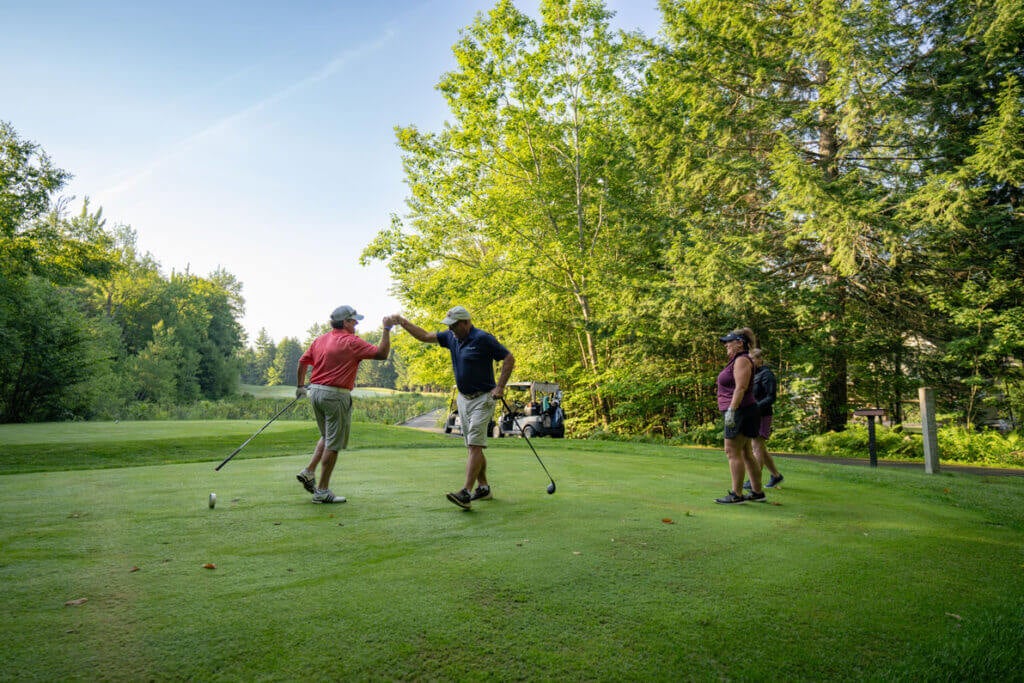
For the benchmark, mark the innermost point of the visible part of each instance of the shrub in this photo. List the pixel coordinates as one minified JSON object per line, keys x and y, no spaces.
{"x":956,"y":444}
{"x":853,"y":441}
{"x":707,"y":434}
{"x":390,"y":409}
{"x":960,"y":444}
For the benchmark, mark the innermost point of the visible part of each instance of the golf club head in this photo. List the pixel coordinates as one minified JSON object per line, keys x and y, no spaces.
{"x":551,"y":488}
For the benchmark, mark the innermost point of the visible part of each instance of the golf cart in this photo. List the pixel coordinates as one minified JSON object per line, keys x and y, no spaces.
{"x":535,"y":408}
{"x":453,"y":423}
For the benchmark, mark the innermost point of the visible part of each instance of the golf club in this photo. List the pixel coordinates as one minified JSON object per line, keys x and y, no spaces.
{"x":551,"y":489}
{"x":236,"y":451}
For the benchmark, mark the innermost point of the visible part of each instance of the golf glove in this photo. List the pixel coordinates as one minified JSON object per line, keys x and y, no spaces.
{"x":730,"y":418}
{"x":300,"y":392}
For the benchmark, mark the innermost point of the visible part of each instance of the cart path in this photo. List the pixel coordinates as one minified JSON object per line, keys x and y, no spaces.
{"x":429,"y":422}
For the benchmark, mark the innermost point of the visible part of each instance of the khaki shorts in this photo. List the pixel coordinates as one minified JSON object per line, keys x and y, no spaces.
{"x":475,"y":415}
{"x":332,"y":408}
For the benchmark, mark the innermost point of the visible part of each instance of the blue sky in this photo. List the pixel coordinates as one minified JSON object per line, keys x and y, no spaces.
{"x":253,"y":136}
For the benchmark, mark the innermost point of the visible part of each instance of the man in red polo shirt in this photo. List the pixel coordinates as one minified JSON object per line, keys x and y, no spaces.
{"x":335,"y":358}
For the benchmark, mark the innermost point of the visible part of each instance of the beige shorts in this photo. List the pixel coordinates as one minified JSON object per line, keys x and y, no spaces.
{"x":475,"y":415}
{"x":332,"y":407}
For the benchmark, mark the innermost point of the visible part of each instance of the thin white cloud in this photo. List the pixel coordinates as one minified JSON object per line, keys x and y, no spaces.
{"x":184,"y":146}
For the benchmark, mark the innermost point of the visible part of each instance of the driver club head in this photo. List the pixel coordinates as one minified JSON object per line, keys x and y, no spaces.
{"x":551,"y":488}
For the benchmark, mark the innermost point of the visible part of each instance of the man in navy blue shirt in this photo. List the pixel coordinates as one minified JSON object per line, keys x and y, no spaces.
{"x":473,"y":353}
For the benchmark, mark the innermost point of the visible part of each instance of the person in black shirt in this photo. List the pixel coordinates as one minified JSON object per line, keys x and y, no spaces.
{"x":474,"y":353}
{"x":765,"y":388}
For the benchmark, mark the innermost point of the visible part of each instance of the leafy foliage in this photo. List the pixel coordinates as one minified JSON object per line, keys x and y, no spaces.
{"x":392,"y":409}
{"x":87,"y":325}
{"x":842,"y":177}
{"x":531,"y":185}
{"x":27,"y":180}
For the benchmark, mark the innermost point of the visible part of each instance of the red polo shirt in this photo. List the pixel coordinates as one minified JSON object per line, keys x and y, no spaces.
{"x":335,"y":358}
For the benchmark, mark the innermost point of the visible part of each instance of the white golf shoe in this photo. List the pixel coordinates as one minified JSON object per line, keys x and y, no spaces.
{"x":327,"y":496}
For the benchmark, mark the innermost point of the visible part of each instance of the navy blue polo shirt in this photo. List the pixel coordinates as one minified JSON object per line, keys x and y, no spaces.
{"x":473,"y":359}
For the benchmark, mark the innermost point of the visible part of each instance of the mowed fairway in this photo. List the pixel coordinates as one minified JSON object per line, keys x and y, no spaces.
{"x":628,"y":572}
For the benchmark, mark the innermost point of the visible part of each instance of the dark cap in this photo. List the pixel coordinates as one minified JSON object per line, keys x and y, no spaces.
{"x":733,"y":336}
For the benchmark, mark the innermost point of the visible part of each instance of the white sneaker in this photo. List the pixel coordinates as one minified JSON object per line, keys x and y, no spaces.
{"x":327,"y":496}
{"x":308,"y":480}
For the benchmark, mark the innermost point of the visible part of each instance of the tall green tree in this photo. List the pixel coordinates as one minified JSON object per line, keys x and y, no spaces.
{"x":220,"y":369}
{"x":286,"y":362}
{"x":522,"y":208}
{"x":53,"y":356}
{"x":968,"y":209}
{"x":374,"y":373}
{"x":28,"y":181}
{"x":201,"y":314}
{"x":264,"y":352}
{"x":85,"y":320}
{"x":775,"y":126}
{"x":155,"y":370}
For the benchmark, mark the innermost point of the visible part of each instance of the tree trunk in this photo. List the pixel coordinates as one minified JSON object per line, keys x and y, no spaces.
{"x":834,"y":394}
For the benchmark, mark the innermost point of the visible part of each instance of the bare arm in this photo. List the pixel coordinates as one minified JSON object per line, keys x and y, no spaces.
{"x":384,"y":348}
{"x":416,"y":331}
{"x":741,"y":373}
{"x":506,"y":371}
{"x":300,"y":375}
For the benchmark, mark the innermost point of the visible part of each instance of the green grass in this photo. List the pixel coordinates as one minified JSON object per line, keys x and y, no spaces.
{"x":288,"y":391}
{"x":60,"y":446}
{"x":849,"y":574}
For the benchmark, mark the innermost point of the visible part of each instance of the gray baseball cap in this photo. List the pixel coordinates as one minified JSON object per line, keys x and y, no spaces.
{"x":454,"y":315}
{"x":343,"y":313}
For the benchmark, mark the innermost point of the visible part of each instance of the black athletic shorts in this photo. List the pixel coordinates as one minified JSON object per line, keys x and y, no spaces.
{"x":748,"y":422}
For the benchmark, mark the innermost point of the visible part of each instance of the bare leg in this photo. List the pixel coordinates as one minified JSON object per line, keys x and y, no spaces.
{"x":476,"y":466}
{"x":737,"y":466}
{"x":327,"y":467}
{"x":763,"y":457}
{"x":752,"y":467}
{"x":481,"y":477}
{"x":318,"y":453}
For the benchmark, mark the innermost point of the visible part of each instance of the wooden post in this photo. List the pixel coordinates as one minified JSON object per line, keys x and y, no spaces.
{"x":929,"y":431}
{"x":872,"y":451}
{"x":871,"y":414}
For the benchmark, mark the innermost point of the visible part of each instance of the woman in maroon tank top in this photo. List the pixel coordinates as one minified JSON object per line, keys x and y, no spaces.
{"x":740,"y":415}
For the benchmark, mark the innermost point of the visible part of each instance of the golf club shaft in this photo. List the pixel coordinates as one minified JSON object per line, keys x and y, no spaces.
{"x":238,"y":450}
{"x":513,"y":414}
